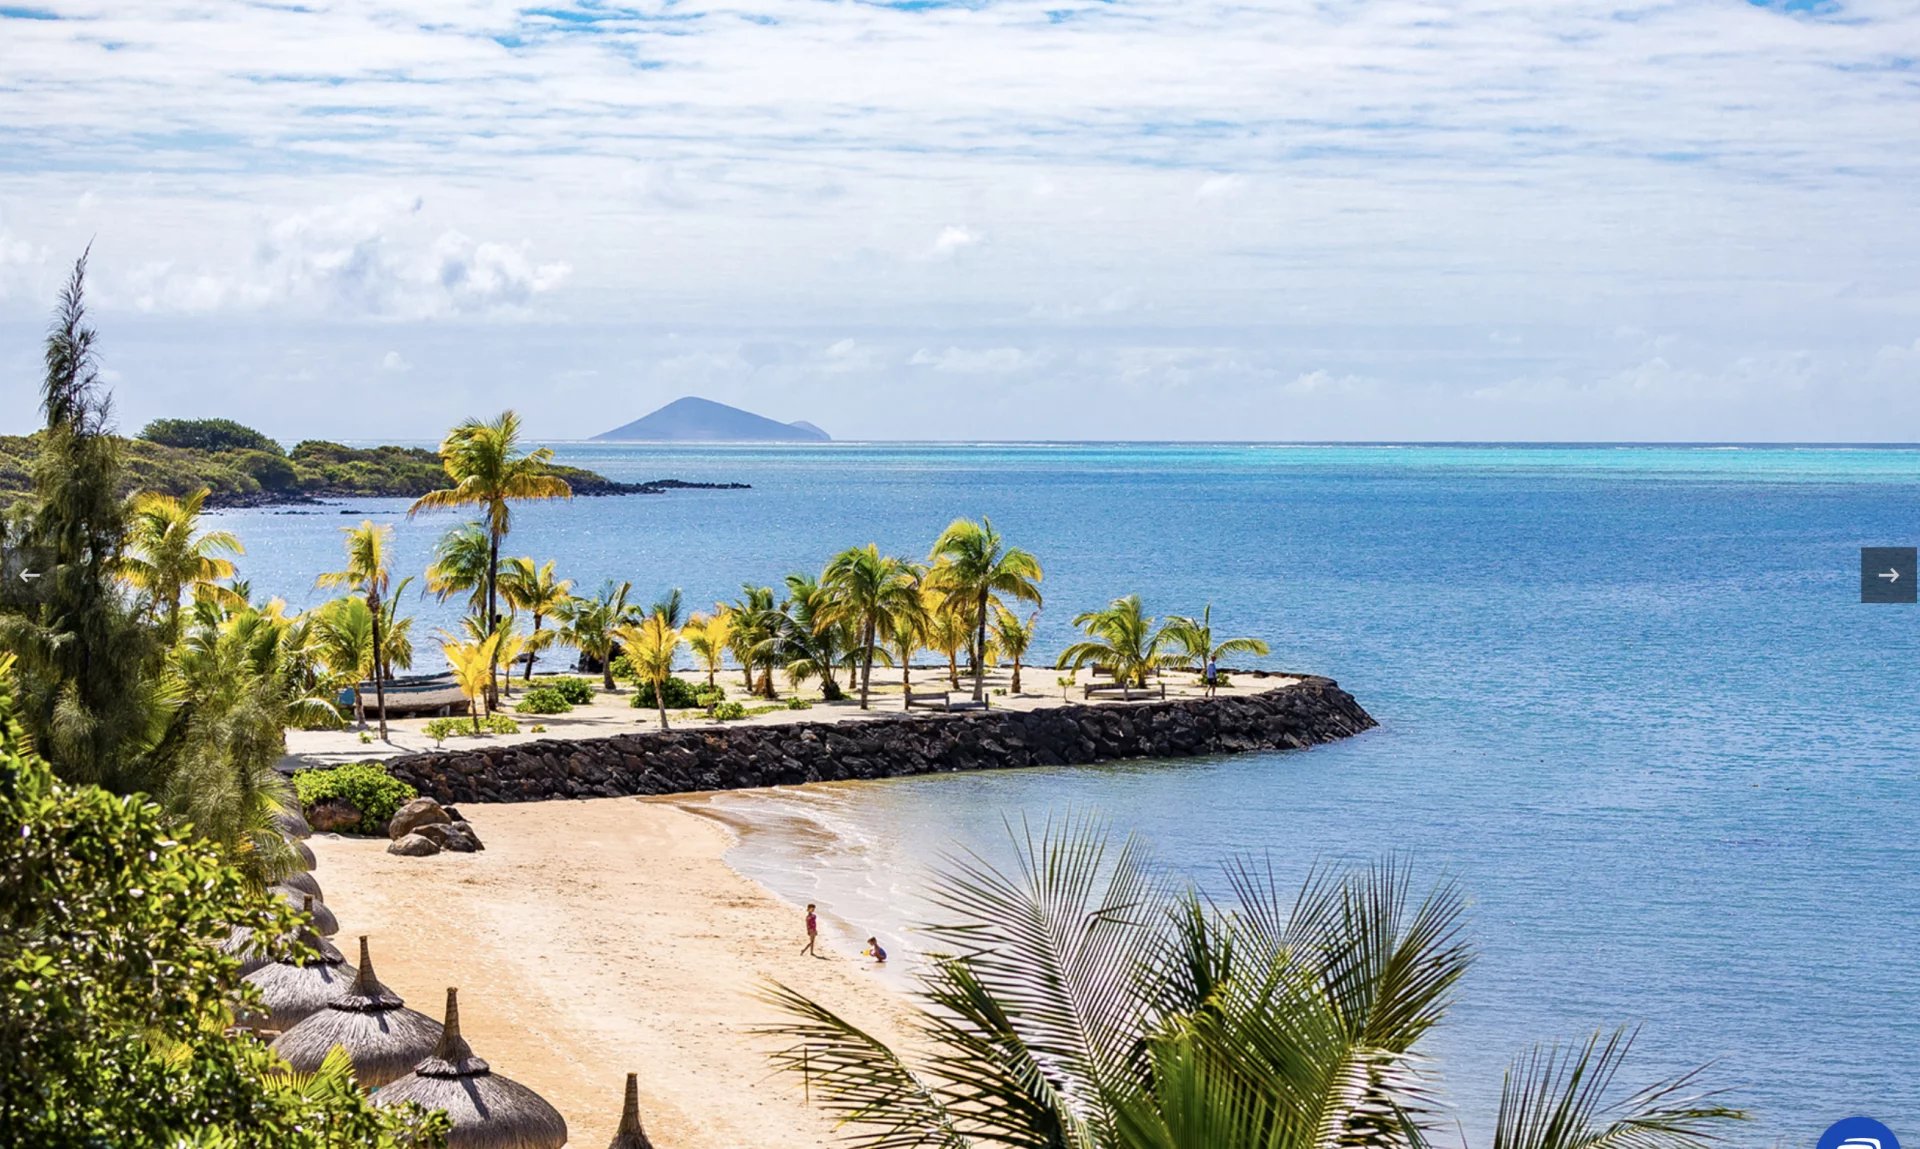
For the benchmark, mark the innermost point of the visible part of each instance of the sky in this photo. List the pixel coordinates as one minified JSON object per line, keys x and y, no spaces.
{"x":995,"y":219}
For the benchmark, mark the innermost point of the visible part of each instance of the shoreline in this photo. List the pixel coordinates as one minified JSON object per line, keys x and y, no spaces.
{"x":603,"y":936}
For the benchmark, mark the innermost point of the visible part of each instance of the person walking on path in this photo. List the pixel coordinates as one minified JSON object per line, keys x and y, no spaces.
{"x":813,"y":932}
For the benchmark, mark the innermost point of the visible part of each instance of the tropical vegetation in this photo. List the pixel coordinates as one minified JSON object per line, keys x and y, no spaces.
{"x":367,"y":785}
{"x":978,"y":573}
{"x":1082,"y":1000}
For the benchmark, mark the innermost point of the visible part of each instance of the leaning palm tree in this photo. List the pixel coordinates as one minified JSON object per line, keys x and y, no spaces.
{"x":975,"y":567}
{"x":709,"y":636}
{"x":1122,"y":638}
{"x":472,"y":662}
{"x":366,"y":572}
{"x":1197,"y":643}
{"x":533,"y":589}
{"x":650,"y":646}
{"x":167,"y":555}
{"x":588,"y":624}
{"x":874,"y":594}
{"x":1013,"y":637}
{"x":1079,"y":1000}
{"x":491,"y":472}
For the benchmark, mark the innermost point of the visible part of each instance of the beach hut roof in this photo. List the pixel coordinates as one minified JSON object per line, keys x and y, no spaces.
{"x":254,"y":953}
{"x":319,"y":918}
{"x":293,"y":824}
{"x":304,"y":882}
{"x":382,"y":1037}
{"x":303,"y":852}
{"x":293,"y":990}
{"x":631,"y":1134}
{"x":486,"y":1111}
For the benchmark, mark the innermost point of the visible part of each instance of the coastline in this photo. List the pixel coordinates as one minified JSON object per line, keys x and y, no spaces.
{"x":597,"y":937}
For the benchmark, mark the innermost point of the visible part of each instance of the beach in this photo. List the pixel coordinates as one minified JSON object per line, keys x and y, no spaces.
{"x":595,"y":938}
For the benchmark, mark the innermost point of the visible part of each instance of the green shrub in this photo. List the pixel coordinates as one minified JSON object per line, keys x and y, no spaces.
{"x":680,"y":694}
{"x":798,"y":703}
{"x":727,"y":711}
{"x":705,"y":698}
{"x":272,"y":471}
{"x":577,"y":691}
{"x":208,"y":435}
{"x":367,"y":785}
{"x":542,"y":700}
{"x":441,"y":729}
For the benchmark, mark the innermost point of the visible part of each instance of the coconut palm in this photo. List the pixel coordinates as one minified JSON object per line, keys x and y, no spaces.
{"x":472,"y":662}
{"x":459,"y":566}
{"x":340,"y":634}
{"x":756,"y":620}
{"x":589,"y":624}
{"x":396,"y":633}
{"x":1197,"y":643}
{"x":366,"y":572}
{"x":948,"y":630}
{"x":976,"y":568}
{"x":1081,"y":1001}
{"x":910,"y":637}
{"x":534,"y":590}
{"x":490,"y":471}
{"x":709,"y":636}
{"x":1012,"y":637}
{"x":805,"y":640}
{"x":650,"y":647}
{"x":167,"y":555}
{"x":872,"y":594}
{"x":1122,"y":637}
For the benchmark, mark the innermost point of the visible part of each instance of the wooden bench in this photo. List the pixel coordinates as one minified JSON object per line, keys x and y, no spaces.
{"x":941,"y":700}
{"x":1125,"y":691}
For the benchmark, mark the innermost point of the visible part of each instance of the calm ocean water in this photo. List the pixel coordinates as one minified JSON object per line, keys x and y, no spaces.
{"x":1628,"y":697}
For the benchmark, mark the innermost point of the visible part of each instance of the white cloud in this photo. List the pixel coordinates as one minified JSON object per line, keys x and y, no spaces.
{"x":953,"y":239}
{"x":395,"y":362}
{"x":1220,"y":187}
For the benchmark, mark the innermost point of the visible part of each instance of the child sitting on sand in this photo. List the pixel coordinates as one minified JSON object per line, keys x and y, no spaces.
{"x":874,"y":951}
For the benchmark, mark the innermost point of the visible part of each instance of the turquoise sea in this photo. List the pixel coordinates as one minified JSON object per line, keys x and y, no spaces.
{"x":1628,"y":697}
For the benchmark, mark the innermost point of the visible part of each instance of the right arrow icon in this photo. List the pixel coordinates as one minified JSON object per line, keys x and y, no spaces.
{"x":1887,"y":574}
{"x":1891,"y":576}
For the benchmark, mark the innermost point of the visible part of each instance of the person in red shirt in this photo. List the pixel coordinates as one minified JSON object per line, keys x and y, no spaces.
{"x":813,"y":932}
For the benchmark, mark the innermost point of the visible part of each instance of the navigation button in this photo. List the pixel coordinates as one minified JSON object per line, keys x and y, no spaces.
{"x":1887,"y":574}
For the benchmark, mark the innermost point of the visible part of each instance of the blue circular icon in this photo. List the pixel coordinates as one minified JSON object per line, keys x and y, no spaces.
{"x":1858,"y":1133}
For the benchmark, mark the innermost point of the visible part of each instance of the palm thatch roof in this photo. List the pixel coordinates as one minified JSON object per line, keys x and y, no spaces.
{"x":304,"y":882}
{"x":320,"y":917}
{"x":293,"y":824}
{"x":631,"y":1135}
{"x":293,"y":989}
{"x":383,"y":1038}
{"x":487,"y":1111}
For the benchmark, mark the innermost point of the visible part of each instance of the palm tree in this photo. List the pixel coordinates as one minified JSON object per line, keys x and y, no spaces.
{"x":366,"y":571}
{"x":341,"y":634}
{"x":459,"y":566}
{"x":590,"y":624}
{"x":873,"y":594}
{"x":947,"y":630}
{"x":473,"y":664}
{"x":910,"y":637}
{"x":1196,"y":641}
{"x":975,"y":566}
{"x":756,"y":620}
{"x":490,"y":471}
{"x":650,"y":647}
{"x":1121,"y":638}
{"x":709,"y":636}
{"x":535,"y":590}
{"x":1013,"y":637}
{"x":1080,"y":1000}
{"x":167,"y":555}
{"x":396,"y":633}
{"x":805,"y":640}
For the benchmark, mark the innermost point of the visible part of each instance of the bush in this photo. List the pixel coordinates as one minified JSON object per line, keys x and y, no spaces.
{"x":542,"y":700}
{"x":797,"y":703}
{"x":367,"y":785}
{"x":705,"y":698}
{"x":680,"y":694}
{"x":440,"y":729}
{"x":271,"y":471}
{"x":727,"y":711}
{"x":208,"y":435}
{"x":577,"y":691}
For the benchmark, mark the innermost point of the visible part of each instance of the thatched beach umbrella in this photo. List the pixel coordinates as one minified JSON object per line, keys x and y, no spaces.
{"x":304,"y":882}
{"x":631,"y":1135}
{"x":243,"y":944}
{"x":293,"y":989}
{"x":487,"y":1111}
{"x":321,"y":918}
{"x":293,"y":824}
{"x":369,"y":1021}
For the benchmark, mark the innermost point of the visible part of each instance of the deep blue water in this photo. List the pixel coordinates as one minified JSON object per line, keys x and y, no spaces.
{"x":1628,"y":697}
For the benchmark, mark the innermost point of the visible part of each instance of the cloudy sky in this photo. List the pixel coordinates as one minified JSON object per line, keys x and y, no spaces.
{"x":986,"y":219}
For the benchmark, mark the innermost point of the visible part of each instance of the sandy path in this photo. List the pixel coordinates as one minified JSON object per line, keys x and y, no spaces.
{"x":595,"y":938}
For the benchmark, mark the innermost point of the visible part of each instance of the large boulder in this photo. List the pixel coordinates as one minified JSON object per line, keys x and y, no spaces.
{"x":334,"y":816}
{"x":415,"y":814}
{"x":413,"y":846}
{"x":455,"y":836}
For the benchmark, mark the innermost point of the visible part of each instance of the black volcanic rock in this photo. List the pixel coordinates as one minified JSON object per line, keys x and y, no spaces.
{"x":695,"y":420}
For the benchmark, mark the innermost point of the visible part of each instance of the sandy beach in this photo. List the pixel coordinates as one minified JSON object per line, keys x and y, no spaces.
{"x":595,"y":938}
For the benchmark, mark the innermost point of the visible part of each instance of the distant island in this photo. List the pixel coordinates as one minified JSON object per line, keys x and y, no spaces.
{"x":695,"y":420}
{"x":241,"y":467}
